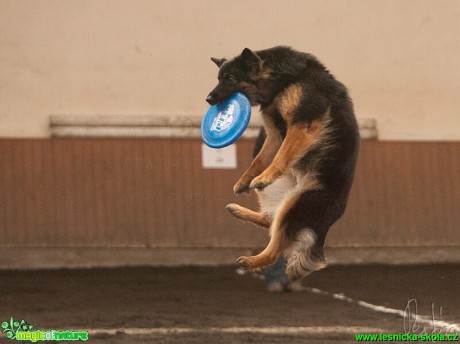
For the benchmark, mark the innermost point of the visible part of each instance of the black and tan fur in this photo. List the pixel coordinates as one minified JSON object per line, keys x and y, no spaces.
{"x":304,"y":169}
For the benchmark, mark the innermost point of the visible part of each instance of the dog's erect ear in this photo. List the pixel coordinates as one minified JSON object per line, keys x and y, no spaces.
{"x":218,"y":62}
{"x":249,"y":56}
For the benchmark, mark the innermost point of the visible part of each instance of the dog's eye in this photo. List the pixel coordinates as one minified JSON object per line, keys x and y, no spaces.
{"x":229,"y":77}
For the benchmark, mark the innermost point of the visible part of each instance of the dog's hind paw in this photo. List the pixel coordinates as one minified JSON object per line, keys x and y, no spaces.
{"x":243,"y":263}
{"x":254,"y":263}
{"x":248,"y":263}
{"x":235,"y":210}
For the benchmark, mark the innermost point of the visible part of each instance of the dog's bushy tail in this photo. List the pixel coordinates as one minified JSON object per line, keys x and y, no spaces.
{"x":304,"y":256}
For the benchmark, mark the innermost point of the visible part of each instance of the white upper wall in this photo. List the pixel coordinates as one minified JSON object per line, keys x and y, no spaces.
{"x":399,"y":58}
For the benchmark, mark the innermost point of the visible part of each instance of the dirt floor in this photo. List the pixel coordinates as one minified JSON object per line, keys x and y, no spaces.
{"x":218,"y":305}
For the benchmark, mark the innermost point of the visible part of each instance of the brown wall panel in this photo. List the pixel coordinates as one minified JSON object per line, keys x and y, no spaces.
{"x":154,"y":193}
{"x":405,"y":193}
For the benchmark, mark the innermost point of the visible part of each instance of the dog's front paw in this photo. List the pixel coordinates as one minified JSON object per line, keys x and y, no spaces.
{"x":265,"y":179}
{"x":242,"y":185}
{"x":260,"y":183}
{"x":240,"y":188}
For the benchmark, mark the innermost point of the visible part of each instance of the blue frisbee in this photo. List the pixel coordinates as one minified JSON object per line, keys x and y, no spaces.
{"x":225,"y":122}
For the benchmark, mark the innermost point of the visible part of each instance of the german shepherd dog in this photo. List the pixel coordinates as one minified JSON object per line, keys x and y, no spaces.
{"x":304,"y":170}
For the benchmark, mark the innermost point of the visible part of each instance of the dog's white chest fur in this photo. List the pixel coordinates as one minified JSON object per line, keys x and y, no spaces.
{"x":273,"y":195}
{"x":284,"y":188}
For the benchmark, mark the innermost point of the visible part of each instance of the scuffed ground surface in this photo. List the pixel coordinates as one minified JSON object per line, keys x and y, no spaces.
{"x":201,"y":298}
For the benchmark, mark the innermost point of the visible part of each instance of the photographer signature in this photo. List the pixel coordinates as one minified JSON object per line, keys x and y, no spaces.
{"x":412,"y":322}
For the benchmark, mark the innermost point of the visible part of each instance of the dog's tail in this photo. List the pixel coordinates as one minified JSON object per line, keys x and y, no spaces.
{"x":304,"y":256}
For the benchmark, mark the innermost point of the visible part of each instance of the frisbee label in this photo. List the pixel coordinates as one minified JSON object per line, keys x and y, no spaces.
{"x":224,"y":119}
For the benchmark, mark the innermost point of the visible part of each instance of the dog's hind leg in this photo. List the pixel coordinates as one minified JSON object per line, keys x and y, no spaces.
{"x":269,"y":201}
{"x":278,"y":239}
{"x":304,"y":255}
{"x":309,"y":222}
{"x":246,"y":214}
{"x":266,"y":257}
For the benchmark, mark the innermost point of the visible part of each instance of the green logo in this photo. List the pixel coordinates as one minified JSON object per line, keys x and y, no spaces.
{"x":21,"y":330}
{"x":12,"y":327}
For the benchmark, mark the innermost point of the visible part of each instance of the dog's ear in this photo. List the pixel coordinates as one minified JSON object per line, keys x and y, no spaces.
{"x":249,"y":56}
{"x":218,"y":62}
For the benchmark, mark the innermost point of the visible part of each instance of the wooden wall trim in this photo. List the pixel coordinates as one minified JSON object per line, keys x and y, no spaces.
{"x":58,"y":258}
{"x":157,"y":126}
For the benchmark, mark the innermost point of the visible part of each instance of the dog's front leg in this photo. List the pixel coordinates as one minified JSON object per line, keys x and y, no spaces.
{"x":299,"y":138}
{"x":271,"y":145}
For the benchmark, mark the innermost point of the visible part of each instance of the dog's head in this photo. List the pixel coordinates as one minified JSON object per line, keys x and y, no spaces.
{"x":240,"y":74}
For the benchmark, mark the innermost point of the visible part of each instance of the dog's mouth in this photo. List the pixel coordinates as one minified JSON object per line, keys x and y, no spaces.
{"x":214,"y":98}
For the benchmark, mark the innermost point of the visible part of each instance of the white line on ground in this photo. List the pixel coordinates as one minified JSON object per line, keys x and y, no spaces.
{"x":440,"y":324}
{"x":262,"y":330}
{"x":445,"y":326}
